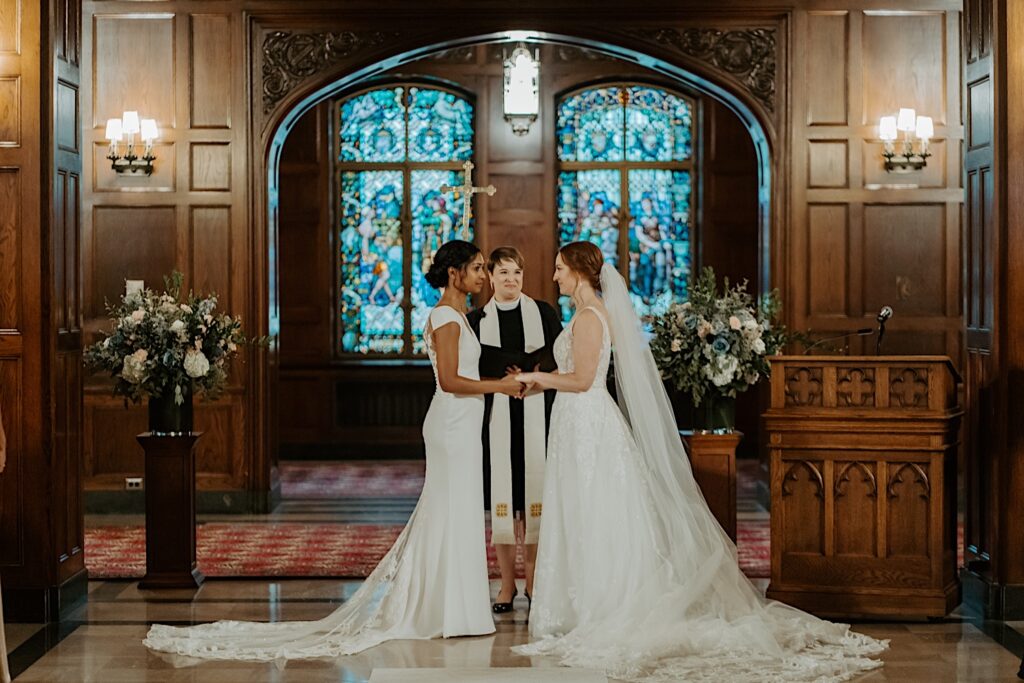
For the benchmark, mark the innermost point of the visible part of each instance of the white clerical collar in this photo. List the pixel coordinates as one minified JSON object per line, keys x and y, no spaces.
{"x":507,"y":305}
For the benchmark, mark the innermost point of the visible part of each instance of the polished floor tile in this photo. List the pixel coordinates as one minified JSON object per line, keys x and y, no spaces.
{"x":106,"y":646}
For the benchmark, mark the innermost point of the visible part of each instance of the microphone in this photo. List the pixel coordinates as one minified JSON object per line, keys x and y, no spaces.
{"x":883,"y":315}
{"x":862,"y":332}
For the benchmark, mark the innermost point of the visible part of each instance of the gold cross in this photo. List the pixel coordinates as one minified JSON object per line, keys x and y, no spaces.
{"x":467,"y":191}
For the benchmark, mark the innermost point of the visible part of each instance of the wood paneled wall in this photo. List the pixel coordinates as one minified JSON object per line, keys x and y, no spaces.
{"x":993,"y":260}
{"x":331,"y":407}
{"x":862,"y":238}
{"x":41,"y":520}
{"x":848,"y":237}
{"x":181,"y":65}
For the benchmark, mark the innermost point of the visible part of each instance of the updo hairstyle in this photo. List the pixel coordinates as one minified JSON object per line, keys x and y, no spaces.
{"x":455,"y":254}
{"x":584,"y":259}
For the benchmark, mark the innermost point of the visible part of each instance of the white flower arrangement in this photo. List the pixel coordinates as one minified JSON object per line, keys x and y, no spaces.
{"x":161,"y":346}
{"x":716,"y":345}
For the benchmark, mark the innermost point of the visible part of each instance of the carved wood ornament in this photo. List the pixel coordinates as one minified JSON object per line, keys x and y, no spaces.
{"x":290,"y":58}
{"x":745,"y":56}
{"x":748,"y":55}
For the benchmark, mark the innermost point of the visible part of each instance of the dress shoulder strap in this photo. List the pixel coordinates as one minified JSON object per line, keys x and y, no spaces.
{"x":597,"y":311}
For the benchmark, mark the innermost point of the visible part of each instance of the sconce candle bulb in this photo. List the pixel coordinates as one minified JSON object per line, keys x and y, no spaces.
{"x":129,"y":125}
{"x":910,"y":124}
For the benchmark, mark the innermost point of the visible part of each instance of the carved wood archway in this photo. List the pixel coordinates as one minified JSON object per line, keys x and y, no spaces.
{"x":297,"y":61}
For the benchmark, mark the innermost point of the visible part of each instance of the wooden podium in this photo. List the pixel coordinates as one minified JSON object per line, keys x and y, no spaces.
{"x":863,"y":484}
{"x":170,"y":511}
{"x":713,"y":461}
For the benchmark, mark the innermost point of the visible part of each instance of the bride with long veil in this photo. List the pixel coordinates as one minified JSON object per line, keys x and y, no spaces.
{"x":634,"y":574}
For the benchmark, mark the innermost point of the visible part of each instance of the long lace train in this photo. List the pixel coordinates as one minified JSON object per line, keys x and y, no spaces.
{"x":634,"y":575}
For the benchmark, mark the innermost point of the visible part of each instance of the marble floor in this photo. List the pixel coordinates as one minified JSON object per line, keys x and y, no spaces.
{"x":101,"y":641}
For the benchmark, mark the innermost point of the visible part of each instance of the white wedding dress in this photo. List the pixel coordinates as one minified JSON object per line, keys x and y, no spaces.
{"x":432,"y":583}
{"x":634,"y":575}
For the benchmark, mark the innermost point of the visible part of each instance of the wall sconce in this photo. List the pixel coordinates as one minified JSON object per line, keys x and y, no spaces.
{"x":522,"y":88}
{"x":129,"y":125}
{"x":911,"y":125}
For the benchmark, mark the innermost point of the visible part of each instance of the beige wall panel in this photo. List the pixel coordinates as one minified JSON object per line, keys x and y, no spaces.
{"x":10,"y":247}
{"x":905,"y":258}
{"x":211,"y":68}
{"x":827,"y":81}
{"x":827,"y":254}
{"x":932,"y":175}
{"x":10,"y":111}
{"x":211,"y":252}
{"x":210,"y":166}
{"x":134,"y":243}
{"x":10,"y":25}
{"x":827,"y":163}
{"x":904,"y":65}
{"x":134,"y":64}
{"x":105,"y":179}
{"x":67,"y":114}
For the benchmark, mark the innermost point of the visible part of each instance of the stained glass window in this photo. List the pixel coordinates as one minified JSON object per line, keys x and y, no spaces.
{"x":396,"y":146}
{"x":625,"y":183}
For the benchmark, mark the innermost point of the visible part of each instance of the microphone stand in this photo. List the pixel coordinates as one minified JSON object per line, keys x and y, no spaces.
{"x":878,"y":339}
{"x":862,"y":332}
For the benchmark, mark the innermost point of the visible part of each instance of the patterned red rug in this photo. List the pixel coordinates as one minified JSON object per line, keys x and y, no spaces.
{"x":291,"y":549}
{"x":328,"y":550}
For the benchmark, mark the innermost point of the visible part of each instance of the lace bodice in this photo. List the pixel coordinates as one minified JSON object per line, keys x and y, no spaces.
{"x":563,"y":350}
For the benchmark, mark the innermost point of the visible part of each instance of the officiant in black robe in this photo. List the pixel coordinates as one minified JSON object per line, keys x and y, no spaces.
{"x":514,"y":330}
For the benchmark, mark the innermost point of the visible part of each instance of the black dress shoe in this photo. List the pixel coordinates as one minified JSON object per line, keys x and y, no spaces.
{"x":504,"y":607}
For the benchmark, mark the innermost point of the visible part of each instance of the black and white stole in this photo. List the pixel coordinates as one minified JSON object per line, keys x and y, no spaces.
{"x":500,"y":429}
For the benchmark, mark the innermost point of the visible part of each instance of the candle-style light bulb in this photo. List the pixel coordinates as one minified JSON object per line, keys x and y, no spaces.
{"x":924,"y":128}
{"x":887,"y":128}
{"x":130,"y":122}
{"x":906,"y":120}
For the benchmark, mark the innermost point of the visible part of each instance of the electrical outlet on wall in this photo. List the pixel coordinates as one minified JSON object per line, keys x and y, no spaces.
{"x":133,"y":483}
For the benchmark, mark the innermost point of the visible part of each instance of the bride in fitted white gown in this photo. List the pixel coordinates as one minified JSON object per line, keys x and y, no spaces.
{"x":634,"y":575}
{"x":433,"y":582}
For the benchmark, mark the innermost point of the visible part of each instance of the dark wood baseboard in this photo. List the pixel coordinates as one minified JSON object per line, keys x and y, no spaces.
{"x":989,"y":600}
{"x":45,"y":604}
{"x":207,"y":502}
{"x":845,"y":604}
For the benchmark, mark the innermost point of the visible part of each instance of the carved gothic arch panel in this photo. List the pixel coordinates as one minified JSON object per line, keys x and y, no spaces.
{"x":729,"y":63}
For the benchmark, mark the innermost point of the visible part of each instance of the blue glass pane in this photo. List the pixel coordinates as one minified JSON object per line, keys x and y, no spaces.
{"x":370,"y":305}
{"x":440,"y":126}
{"x":436,"y":218}
{"x":590,"y":126}
{"x":659,"y":238}
{"x":373,"y":126}
{"x":588,"y":209}
{"x":658,"y":126}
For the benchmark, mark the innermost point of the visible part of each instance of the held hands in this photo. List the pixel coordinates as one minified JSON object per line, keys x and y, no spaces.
{"x":531,"y":380}
{"x":510,"y":386}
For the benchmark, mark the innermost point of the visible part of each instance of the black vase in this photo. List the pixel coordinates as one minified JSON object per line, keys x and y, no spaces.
{"x":169,"y":418}
{"x":716,"y":414}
